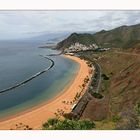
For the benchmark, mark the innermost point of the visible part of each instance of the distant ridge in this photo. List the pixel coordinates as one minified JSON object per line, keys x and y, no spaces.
{"x":120,"y":37}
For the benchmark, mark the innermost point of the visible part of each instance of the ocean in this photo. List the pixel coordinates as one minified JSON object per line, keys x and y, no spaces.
{"x":21,"y":59}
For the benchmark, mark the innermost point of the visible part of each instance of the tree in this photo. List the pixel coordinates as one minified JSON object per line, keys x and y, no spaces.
{"x":50,"y":123}
{"x":67,"y":124}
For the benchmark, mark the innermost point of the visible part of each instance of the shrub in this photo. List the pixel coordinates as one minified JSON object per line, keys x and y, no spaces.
{"x":116,"y":118}
{"x":67,"y":124}
{"x":50,"y":123}
{"x":137,"y":108}
{"x":105,"y":77}
{"x":85,"y":125}
{"x":97,"y":95}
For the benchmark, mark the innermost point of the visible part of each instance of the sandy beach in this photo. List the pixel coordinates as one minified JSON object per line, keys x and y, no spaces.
{"x":36,"y":116}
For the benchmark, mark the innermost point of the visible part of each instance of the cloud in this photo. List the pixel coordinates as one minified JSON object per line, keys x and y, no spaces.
{"x":18,"y":24}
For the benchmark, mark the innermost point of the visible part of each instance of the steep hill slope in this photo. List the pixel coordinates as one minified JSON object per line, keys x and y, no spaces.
{"x":119,"y":109}
{"x":124,"y":36}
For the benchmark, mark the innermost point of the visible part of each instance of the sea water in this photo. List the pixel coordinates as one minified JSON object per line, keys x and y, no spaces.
{"x":18,"y":61}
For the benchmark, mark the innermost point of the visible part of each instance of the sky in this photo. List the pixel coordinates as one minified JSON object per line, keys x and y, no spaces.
{"x":22,"y":24}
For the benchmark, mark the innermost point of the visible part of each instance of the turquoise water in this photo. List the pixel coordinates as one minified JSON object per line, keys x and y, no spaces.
{"x":20,"y":60}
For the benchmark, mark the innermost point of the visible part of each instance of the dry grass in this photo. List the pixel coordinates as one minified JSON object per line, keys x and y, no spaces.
{"x":121,"y":90}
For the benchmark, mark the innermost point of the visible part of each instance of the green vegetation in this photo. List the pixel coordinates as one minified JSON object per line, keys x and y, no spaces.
{"x":137,"y":108}
{"x":123,"y":36}
{"x":105,"y":77}
{"x":120,"y":79}
{"x":97,"y":95}
{"x":120,"y":88}
{"x":94,"y":94}
{"x":85,"y":39}
{"x":66,"y":124}
{"x":116,"y":118}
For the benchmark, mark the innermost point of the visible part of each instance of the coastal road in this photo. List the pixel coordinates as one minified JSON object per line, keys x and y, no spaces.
{"x":99,"y":78}
{"x":82,"y":103}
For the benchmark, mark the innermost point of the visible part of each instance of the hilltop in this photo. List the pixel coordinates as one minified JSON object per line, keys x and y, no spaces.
{"x":121,"y":37}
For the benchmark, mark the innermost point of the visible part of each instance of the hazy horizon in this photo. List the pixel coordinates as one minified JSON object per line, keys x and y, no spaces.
{"x":26,"y":24}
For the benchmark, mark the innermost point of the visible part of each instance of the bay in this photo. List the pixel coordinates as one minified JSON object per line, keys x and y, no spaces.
{"x":18,"y":61}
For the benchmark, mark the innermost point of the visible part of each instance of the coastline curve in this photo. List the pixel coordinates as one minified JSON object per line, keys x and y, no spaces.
{"x":31,"y":77}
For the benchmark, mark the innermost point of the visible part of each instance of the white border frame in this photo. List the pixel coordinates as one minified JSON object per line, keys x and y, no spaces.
{"x":69,"y":5}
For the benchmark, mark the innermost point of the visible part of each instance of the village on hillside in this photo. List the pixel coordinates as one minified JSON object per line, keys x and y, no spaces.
{"x":77,"y":47}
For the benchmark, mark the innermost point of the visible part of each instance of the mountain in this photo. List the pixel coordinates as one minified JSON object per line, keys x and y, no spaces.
{"x":123,"y":36}
{"x":53,"y":37}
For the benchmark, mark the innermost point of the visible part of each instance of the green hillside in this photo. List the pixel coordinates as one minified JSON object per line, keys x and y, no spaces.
{"x":123,"y":36}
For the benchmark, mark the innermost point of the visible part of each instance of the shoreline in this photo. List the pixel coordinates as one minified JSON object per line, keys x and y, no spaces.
{"x":37,"y":115}
{"x":43,"y":102}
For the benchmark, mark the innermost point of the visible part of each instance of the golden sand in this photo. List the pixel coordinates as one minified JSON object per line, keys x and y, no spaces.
{"x":36,"y":116}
